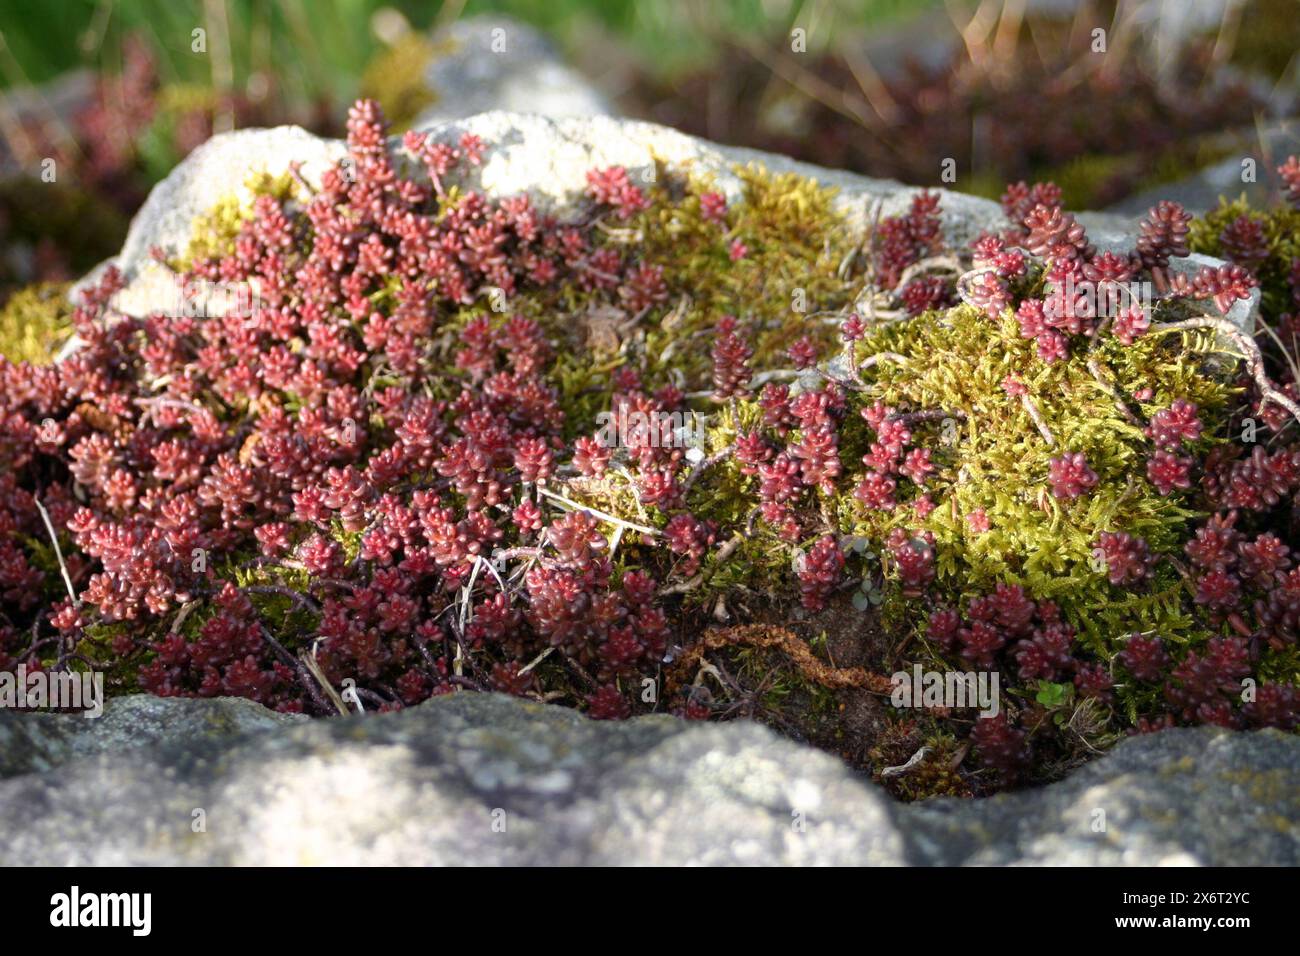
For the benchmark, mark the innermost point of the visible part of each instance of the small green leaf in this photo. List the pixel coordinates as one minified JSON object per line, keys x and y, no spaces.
{"x":1052,"y":695}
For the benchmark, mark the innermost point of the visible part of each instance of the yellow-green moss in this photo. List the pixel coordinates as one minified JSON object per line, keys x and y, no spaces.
{"x":1000,"y":461}
{"x":214,"y":232}
{"x":1282,"y":235}
{"x":35,"y":322}
{"x":395,"y":78}
{"x":783,"y":288}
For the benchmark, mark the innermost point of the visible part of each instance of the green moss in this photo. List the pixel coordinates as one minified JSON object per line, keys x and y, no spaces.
{"x":1282,"y":234}
{"x":395,"y":78}
{"x":35,"y":322}
{"x":215,"y":231}
{"x":1000,"y":461}
{"x":790,"y":280}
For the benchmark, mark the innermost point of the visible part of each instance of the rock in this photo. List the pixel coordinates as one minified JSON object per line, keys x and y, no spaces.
{"x":1203,"y":796}
{"x":1200,"y":192}
{"x":498,"y":63}
{"x":32,"y":743}
{"x":486,"y":779}
{"x":425,"y":786}
{"x":547,"y":158}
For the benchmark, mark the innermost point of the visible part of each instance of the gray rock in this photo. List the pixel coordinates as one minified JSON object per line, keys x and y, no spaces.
{"x":546,"y":158}
{"x":498,"y":63}
{"x":1201,"y":191}
{"x":36,"y":742}
{"x":1203,"y":796}
{"x":485,"y":779}
{"x":426,"y":785}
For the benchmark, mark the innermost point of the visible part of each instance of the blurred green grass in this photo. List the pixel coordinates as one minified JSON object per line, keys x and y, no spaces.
{"x":315,"y":48}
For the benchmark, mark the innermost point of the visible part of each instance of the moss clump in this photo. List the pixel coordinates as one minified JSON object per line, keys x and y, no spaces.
{"x":998,"y":461}
{"x":215,"y":231}
{"x":395,"y":78}
{"x":1281,"y":249}
{"x":792,"y":276}
{"x":35,"y":322}
{"x":936,"y":755}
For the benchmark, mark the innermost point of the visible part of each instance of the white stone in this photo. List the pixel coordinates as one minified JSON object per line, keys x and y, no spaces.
{"x":500,"y":63}
{"x":547,"y":158}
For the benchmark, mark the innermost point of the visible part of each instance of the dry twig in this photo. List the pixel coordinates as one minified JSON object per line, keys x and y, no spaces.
{"x":800,"y":654}
{"x":1250,"y":350}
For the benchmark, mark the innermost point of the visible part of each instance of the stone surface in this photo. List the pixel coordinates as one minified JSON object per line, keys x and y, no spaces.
{"x":493,"y":62}
{"x":1203,"y":796}
{"x":1200,"y":192}
{"x":36,"y":742}
{"x":549,"y":159}
{"x":426,"y":786}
